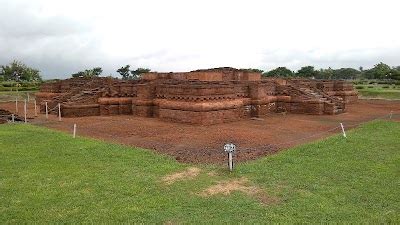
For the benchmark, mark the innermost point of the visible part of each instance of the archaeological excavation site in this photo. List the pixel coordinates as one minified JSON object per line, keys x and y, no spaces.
{"x":202,"y":97}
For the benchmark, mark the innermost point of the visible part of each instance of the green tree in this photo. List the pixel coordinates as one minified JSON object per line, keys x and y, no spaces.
{"x":307,"y":71}
{"x":95,"y":72}
{"x":346,"y":73}
{"x":324,"y":74}
{"x":254,"y":70}
{"x":19,"y":71}
{"x":279,"y":72}
{"x":78,"y":74}
{"x":379,"y":71}
{"x":395,"y":74}
{"x":124,"y":71}
{"x":136,"y":74}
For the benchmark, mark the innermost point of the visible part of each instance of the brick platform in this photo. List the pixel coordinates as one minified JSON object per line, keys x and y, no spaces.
{"x":202,"y":97}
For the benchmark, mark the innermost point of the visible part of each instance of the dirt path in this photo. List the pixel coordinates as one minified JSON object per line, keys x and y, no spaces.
{"x":204,"y":144}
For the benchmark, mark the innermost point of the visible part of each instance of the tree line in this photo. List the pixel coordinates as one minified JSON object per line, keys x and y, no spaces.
{"x":379,"y":71}
{"x":18,"y":71}
{"x":125,"y":72}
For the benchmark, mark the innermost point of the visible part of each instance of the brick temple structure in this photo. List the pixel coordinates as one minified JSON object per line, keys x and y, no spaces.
{"x":198,"y":97}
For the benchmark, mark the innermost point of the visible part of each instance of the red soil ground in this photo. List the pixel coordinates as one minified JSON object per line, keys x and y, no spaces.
{"x":204,"y":144}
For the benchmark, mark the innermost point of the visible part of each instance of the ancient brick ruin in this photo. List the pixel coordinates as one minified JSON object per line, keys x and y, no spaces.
{"x":198,"y":97}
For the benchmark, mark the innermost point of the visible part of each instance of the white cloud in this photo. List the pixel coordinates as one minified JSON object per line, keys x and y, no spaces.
{"x":61,"y":37}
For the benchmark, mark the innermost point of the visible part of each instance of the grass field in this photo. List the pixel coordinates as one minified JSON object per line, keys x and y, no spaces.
{"x":46,"y":176}
{"x":22,"y":86}
{"x":12,"y":95}
{"x":379,"y":91}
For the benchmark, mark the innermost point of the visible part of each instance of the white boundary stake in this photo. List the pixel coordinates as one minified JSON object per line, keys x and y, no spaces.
{"x":230,"y":149}
{"x":74,"y":133}
{"x":230,"y":161}
{"x":47,"y":111}
{"x":59,"y":112}
{"x":35,"y":108}
{"x":12,"y":118}
{"x":391,"y":114}
{"x":16,"y":104}
{"x":344,"y":133}
{"x":28,"y":97}
{"x":25,"y":110}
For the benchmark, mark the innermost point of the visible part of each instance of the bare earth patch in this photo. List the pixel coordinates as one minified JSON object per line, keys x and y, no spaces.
{"x":242,"y":185}
{"x":203,"y":144}
{"x":188,"y":174}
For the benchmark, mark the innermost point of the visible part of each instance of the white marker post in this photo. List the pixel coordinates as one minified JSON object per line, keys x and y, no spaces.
{"x":74,"y":133}
{"x":391,"y":114}
{"x":16,"y":104}
{"x":59,"y":112}
{"x":47,"y":111}
{"x":230,"y":149}
{"x":25,"y":109}
{"x":344,"y":133}
{"x":28,"y":96}
{"x":35,"y":108}
{"x":12,"y":118}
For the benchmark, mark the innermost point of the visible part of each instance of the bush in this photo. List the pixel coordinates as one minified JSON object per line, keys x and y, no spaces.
{"x":360,"y":87}
{"x":8,"y":85}
{"x":28,"y":89}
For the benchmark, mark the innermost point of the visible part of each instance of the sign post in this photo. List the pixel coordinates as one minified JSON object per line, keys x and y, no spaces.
{"x":230,"y":149}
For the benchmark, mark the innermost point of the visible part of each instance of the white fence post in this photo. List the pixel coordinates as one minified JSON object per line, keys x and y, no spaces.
{"x":35,"y":108}
{"x":47,"y":111}
{"x":74,"y":134}
{"x":344,"y":133}
{"x":25,"y":109}
{"x":28,"y":96}
{"x":391,"y":114}
{"x":16,"y":104}
{"x":59,"y":112}
{"x":12,"y":118}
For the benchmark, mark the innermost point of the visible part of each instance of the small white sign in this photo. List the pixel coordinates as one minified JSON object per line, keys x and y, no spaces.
{"x":230,"y":147}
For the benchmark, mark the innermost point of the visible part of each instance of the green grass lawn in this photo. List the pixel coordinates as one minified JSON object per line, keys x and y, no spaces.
{"x":46,"y":176}
{"x":377,"y":91}
{"x":21,"y":86}
{"x":12,"y":95}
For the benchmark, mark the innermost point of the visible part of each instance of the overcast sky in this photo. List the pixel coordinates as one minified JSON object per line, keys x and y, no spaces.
{"x":65,"y":36}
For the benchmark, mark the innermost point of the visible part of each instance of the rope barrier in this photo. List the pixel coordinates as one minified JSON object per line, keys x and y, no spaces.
{"x":334,"y":128}
{"x":390,"y":115}
{"x":313,"y":135}
{"x":51,"y":110}
{"x":7,"y":101}
{"x":377,"y":118}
